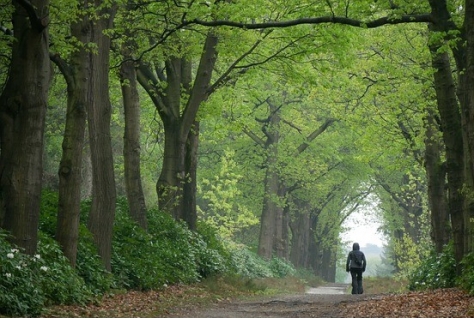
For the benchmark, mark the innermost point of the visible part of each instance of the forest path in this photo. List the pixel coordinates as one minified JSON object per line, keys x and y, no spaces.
{"x":319,"y":302}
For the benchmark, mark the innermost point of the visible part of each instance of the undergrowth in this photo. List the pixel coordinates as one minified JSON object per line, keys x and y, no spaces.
{"x":167,"y":254}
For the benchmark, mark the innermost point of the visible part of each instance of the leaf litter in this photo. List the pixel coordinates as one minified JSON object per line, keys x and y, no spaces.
{"x":184,"y":301}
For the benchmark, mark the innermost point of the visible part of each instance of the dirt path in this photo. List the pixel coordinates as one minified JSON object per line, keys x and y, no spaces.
{"x":321,"y":302}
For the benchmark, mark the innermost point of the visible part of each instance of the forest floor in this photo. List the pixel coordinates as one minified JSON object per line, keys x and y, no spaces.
{"x":199,"y":302}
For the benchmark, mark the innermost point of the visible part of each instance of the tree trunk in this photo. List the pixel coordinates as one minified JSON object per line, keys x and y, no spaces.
{"x":70,"y":166}
{"x":102,"y":214}
{"x":23,"y":105}
{"x":300,"y":239}
{"x":314,"y":252}
{"x":468,"y":94}
{"x":190,"y":186}
{"x":286,"y":233}
{"x":172,"y":197}
{"x":268,"y":217}
{"x":450,"y":118}
{"x":131,"y":148}
{"x":436,"y":179}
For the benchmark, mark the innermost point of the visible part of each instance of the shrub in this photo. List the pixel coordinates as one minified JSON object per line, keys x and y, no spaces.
{"x":281,"y":268}
{"x":466,"y":280}
{"x":20,"y":296}
{"x":168,"y":252}
{"x":88,"y":263}
{"x":213,"y":256}
{"x":249,"y":264}
{"x":59,"y":282}
{"x":435,"y":271}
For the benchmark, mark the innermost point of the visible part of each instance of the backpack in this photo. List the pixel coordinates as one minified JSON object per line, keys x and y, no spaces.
{"x":357,"y":258}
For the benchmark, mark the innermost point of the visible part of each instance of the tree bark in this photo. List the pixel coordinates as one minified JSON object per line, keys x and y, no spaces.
{"x":268,"y":217}
{"x":453,"y":121}
{"x":131,"y":149}
{"x":177,"y":163}
{"x":300,"y":237}
{"x":436,"y":179}
{"x":23,"y":105}
{"x":70,"y":166}
{"x":190,"y":186}
{"x":469,"y":100}
{"x":102,"y":214}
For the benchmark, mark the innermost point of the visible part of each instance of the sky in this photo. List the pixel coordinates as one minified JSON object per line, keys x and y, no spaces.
{"x":363,"y":229}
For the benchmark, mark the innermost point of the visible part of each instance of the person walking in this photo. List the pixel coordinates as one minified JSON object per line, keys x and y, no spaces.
{"x":356,"y":264}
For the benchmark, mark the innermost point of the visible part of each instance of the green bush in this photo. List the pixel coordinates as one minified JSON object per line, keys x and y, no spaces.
{"x":88,"y":263}
{"x":435,"y":271}
{"x":167,"y":253}
{"x":27,"y":283}
{"x":281,"y":268}
{"x":20,"y":295}
{"x":213,"y":256}
{"x":59,"y":282}
{"x":248,"y":264}
{"x":466,"y":280}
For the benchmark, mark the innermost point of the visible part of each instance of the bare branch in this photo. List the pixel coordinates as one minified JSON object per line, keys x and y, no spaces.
{"x":410,"y":18}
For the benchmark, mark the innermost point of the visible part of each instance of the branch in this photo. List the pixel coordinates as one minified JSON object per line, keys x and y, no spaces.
{"x":64,"y":68}
{"x":37,"y":23}
{"x":411,"y":18}
{"x":225,"y":77}
{"x":315,"y":134}
{"x":254,"y":137}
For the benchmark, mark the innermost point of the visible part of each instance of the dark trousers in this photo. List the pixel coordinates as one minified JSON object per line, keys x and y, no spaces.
{"x":356,"y":274}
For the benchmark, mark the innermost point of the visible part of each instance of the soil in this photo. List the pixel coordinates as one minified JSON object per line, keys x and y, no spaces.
{"x":331,"y":301}
{"x":322,"y":303}
{"x":298,"y":306}
{"x":328,"y":303}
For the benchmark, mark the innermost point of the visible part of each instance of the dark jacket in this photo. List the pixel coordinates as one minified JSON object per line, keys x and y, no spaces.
{"x":350,"y":258}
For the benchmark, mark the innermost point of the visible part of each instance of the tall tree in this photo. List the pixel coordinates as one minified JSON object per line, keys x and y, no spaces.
{"x":131,"y":147}
{"x":178,"y":121}
{"x":76,"y":73}
{"x":99,"y":110}
{"x":23,"y":105}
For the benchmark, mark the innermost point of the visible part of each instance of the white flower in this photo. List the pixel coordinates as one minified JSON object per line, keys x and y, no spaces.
{"x":14,"y":250}
{"x":18,"y":267}
{"x":165,"y":285}
{"x":8,"y":275}
{"x":10,"y":255}
{"x":44,"y":268}
{"x":37,"y":256}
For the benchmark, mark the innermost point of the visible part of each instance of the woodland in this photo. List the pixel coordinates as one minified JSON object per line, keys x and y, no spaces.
{"x":219,"y":134}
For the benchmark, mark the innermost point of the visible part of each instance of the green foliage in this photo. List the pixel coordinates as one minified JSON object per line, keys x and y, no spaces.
{"x":27,"y":283}
{"x":19,"y":294}
{"x":248,"y":264}
{"x":435,"y":271}
{"x":466,"y":279}
{"x":60,"y":283}
{"x":168,"y":253}
{"x":281,"y":268}
{"x":88,"y":264}
{"x":409,"y":255}
{"x":220,"y":196}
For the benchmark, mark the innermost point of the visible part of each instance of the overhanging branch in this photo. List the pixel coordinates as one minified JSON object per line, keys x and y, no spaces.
{"x":415,"y":18}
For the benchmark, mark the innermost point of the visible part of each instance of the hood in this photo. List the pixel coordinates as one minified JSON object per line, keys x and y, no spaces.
{"x":355,"y":246}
